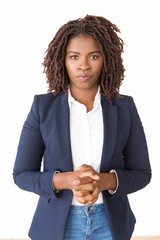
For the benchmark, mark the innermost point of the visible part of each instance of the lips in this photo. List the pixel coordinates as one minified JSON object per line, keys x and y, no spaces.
{"x":84,"y":77}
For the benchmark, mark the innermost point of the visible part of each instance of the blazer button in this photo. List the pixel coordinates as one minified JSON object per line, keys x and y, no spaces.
{"x":48,"y":195}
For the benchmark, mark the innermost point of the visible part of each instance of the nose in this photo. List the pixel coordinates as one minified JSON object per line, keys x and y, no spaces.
{"x":84,"y":65}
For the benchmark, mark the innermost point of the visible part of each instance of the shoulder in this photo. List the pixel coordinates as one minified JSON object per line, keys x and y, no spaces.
{"x":126,"y":104}
{"x":126,"y":101}
{"x":44,"y":103}
{"x":48,"y":98}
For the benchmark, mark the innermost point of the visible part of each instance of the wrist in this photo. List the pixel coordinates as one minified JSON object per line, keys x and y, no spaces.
{"x":107,"y":181}
{"x":62,"y":181}
{"x":57,"y":171}
{"x":58,"y":181}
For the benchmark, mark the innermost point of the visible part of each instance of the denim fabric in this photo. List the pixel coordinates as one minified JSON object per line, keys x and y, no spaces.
{"x":87,"y":223}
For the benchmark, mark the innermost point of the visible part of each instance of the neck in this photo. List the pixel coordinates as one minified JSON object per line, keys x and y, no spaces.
{"x":84,"y":96}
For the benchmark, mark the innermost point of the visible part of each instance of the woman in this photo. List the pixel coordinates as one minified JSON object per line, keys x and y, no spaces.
{"x":90,"y":136}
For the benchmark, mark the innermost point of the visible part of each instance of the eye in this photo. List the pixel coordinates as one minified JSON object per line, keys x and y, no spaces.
{"x":94,"y":57}
{"x":74,"y":57}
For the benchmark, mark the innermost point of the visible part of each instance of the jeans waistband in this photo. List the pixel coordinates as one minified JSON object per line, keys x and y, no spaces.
{"x":87,"y":208}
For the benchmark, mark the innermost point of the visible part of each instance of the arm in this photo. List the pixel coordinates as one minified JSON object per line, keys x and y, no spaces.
{"x":137,"y":172}
{"x":26,"y":171}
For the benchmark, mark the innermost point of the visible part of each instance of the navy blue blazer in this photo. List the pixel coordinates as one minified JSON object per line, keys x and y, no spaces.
{"x":46,"y":134}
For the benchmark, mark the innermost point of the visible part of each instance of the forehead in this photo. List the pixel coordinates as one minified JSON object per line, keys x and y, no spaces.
{"x":83,"y":43}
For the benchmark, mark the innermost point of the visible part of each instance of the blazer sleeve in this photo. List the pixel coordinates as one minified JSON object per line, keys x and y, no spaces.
{"x":137,"y":172}
{"x":26,"y":173}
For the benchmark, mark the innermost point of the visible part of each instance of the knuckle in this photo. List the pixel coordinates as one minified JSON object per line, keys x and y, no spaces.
{"x":77,"y":195}
{"x":90,"y":198}
{"x":95,"y":194}
{"x":84,"y":201}
{"x":95,"y":186}
{"x":81,"y":194}
{"x":79,"y":200}
{"x":92,"y":187}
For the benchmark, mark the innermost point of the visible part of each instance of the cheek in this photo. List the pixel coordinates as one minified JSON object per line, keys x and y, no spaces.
{"x":66,"y":65}
{"x":69,"y":67}
{"x":98,"y":67}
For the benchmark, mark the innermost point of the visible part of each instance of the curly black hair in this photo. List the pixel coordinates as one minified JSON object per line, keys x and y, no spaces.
{"x":105,"y":33}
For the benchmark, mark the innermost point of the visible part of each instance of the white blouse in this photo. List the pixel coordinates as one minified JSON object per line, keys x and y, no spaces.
{"x":86,"y":135}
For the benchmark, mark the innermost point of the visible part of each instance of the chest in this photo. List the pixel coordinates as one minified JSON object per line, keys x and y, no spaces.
{"x":86,"y":136}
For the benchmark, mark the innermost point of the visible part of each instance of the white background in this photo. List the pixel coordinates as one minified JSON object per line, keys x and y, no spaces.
{"x":26,"y":29}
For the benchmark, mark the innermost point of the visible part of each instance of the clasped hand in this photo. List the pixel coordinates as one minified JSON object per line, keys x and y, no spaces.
{"x":86,"y":186}
{"x":85,"y":183}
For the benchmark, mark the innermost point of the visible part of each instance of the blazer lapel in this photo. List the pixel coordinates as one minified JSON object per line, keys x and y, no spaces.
{"x":63,"y":130}
{"x":110,"y":120}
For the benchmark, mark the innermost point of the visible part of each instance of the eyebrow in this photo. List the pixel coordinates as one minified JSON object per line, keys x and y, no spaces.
{"x":79,"y":53}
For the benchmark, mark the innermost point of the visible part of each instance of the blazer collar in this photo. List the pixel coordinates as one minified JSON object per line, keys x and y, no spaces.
{"x":110,"y":121}
{"x":63,"y":130}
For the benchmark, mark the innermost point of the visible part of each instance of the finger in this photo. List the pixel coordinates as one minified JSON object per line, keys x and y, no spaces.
{"x":81,"y":200}
{"x":89,"y":174}
{"x":87,"y":194}
{"x":89,"y":199}
{"x":92,"y":202}
{"x":76,"y":182}
{"x":88,"y":187}
{"x":92,"y":197}
{"x":95,"y":193}
{"x":85,"y":187}
{"x":81,"y":194}
{"x":84,"y":167}
{"x":84,"y":193}
{"x":82,"y":180}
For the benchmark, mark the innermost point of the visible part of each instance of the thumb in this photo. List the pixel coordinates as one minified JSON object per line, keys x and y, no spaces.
{"x":84,"y":167}
{"x":90,"y":174}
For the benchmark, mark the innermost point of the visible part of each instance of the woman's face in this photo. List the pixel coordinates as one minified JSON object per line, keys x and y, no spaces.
{"x":83,"y":62}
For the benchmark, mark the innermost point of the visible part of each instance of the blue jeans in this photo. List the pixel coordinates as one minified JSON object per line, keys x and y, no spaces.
{"x":87,"y":222}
